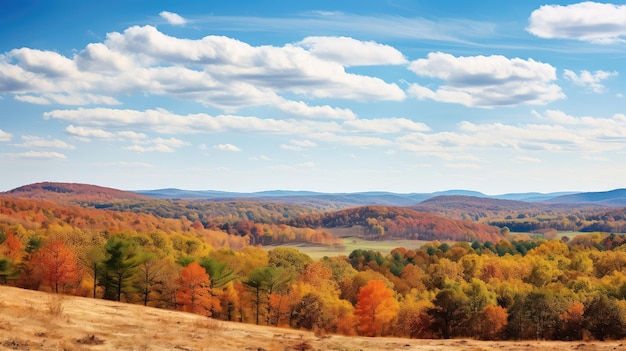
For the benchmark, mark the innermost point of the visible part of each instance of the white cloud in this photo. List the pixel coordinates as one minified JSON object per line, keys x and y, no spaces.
{"x":557,"y":132}
{"x":351,"y":52}
{"x":486,"y":81}
{"x":45,"y":63}
{"x":227,"y":147}
{"x":385,"y":125}
{"x":214,"y":71}
{"x":173,"y":18}
{"x":37,"y":155}
{"x":591,"y":81}
{"x":263,"y":71}
{"x":163,"y":121}
{"x":157,"y":145}
{"x":297,"y":145}
{"x":300,"y":108}
{"x":587,"y":21}
{"x":31,"y":141}
{"x":151,"y":148}
{"x":86,"y":134}
{"x":36,"y":100}
{"x":307,"y":164}
{"x":4,"y":136}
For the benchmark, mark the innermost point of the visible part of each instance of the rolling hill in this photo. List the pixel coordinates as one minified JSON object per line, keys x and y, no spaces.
{"x":84,"y":192}
{"x":613,"y":198}
{"x":401,"y":223}
{"x":71,"y":192}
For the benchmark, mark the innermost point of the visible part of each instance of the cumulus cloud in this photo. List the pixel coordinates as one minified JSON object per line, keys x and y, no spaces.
{"x":31,"y":141}
{"x":351,"y":52}
{"x":173,"y":18}
{"x":4,"y":136}
{"x":591,"y":81}
{"x":486,"y":81}
{"x":214,"y":71}
{"x":227,"y":147}
{"x":587,"y":21}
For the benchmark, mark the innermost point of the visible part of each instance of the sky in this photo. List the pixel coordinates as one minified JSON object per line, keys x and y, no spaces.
{"x":332,"y":96}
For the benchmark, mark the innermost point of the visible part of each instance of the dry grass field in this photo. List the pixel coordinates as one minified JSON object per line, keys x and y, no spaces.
{"x":31,"y":320}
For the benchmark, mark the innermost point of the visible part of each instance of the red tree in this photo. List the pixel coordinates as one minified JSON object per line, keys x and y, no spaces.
{"x":194,"y":291}
{"x":56,"y":264}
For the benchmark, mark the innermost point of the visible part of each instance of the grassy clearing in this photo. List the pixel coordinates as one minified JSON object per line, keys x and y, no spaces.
{"x":351,"y":244}
{"x":352,"y":241}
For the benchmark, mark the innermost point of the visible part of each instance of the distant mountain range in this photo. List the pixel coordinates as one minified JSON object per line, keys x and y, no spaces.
{"x":358,"y":198}
{"x":84,"y":192}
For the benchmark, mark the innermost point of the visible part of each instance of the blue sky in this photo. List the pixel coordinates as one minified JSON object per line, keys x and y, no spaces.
{"x":333,"y":96}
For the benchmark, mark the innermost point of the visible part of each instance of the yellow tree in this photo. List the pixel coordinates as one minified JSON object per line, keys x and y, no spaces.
{"x":413,"y":320}
{"x":375,"y":309}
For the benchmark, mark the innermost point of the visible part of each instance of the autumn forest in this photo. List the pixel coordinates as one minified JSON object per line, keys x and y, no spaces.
{"x":486,"y":269}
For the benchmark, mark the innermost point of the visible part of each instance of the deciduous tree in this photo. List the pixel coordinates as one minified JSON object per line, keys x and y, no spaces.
{"x":375,"y":309}
{"x":492,"y":322}
{"x":193,"y":293}
{"x":56,"y":264}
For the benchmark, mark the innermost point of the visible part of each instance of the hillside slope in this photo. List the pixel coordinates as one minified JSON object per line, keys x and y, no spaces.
{"x":71,"y":192}
{"x":401,"y":223}
{"x":32,"y":320}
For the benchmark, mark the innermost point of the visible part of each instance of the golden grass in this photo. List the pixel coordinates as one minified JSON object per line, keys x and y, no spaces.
{"x":31,"y":320}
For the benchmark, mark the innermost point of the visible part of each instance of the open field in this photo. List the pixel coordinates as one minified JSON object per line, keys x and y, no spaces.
{"x":32,"y":320}
{"x":351,"y":244}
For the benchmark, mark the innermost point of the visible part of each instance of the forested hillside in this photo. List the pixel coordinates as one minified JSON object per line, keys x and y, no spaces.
{"x":384,"y":222}
{"x":520,"y":216}
{"x":71,"y":192}
{"x":480,"y":282}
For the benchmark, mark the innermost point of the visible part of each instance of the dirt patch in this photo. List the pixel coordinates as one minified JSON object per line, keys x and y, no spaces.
{"x":90,"y":340}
